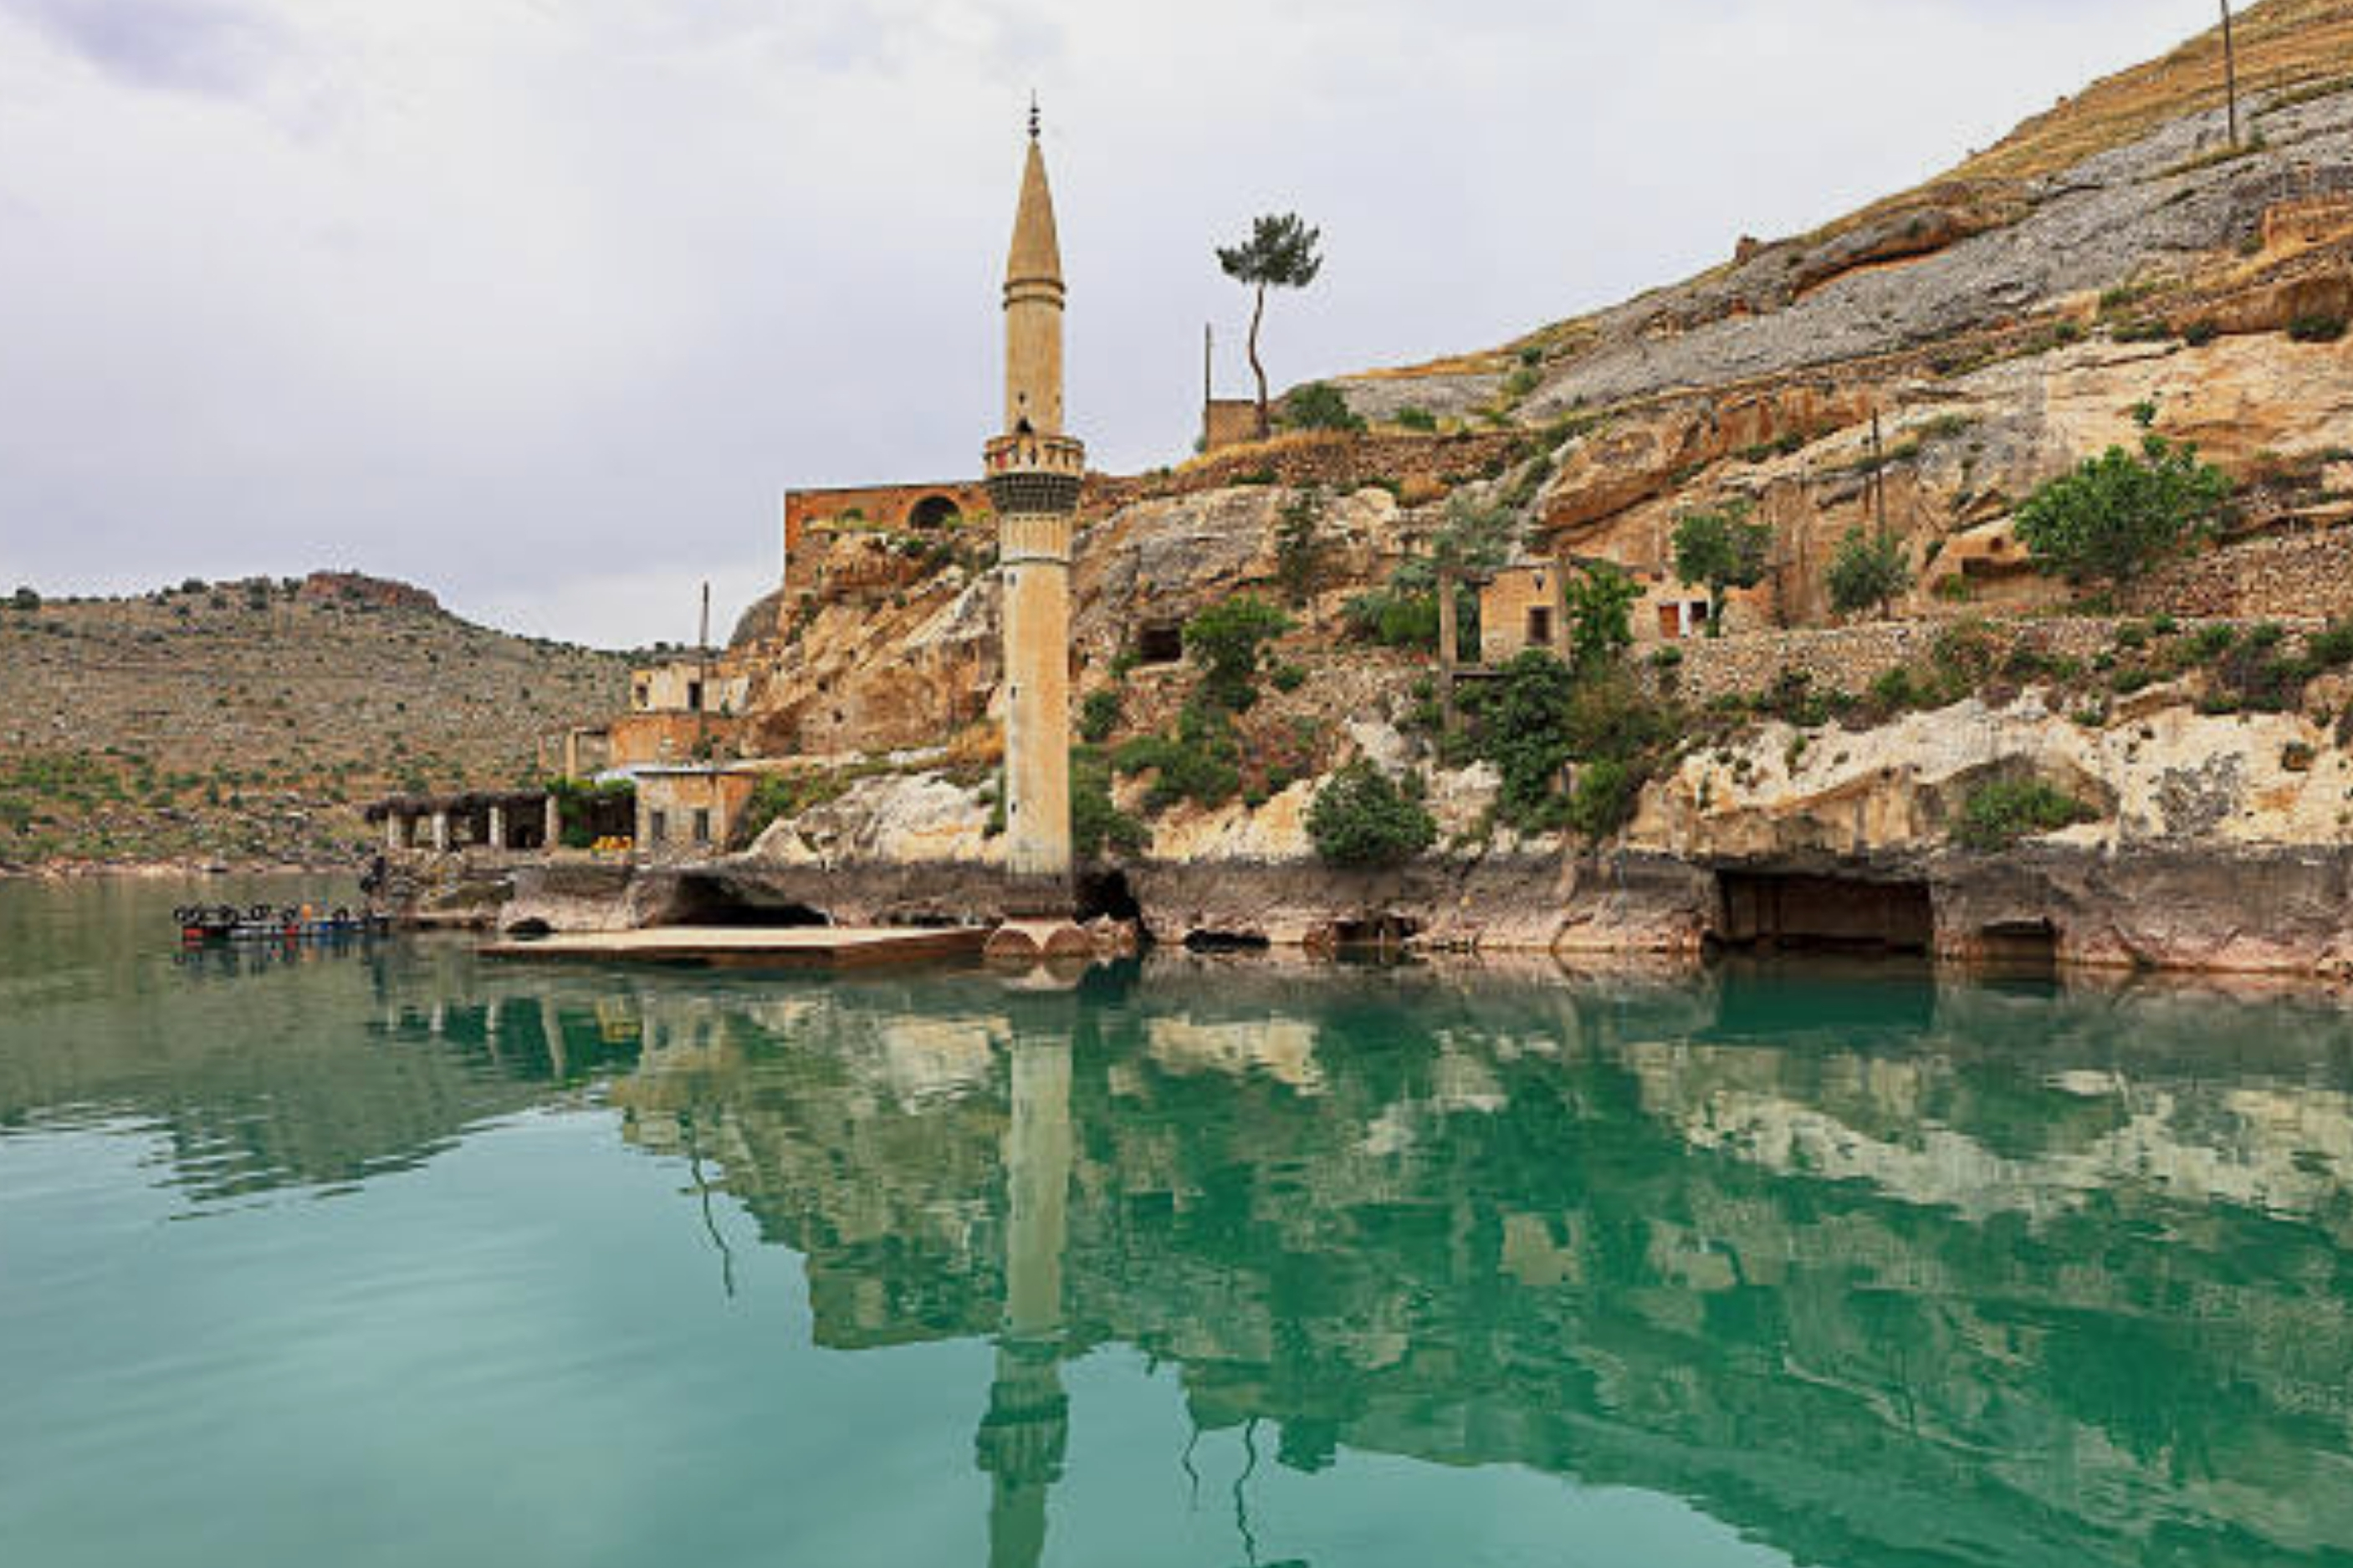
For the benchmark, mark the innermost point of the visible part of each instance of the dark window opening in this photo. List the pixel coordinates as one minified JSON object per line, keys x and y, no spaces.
{"x":1540,"y":627}
{"x":657,"y":827}
{"x":703,"y":824}
{"x":1160,"y":643}
{"x":1778,"y":912}
{"x":694,"y":697}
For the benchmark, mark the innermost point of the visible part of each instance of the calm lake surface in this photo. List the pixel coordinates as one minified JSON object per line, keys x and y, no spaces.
{"x":375,"y":1254}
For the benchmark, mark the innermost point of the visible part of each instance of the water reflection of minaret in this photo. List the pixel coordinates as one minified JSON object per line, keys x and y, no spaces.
{"x":1022,"y":1436}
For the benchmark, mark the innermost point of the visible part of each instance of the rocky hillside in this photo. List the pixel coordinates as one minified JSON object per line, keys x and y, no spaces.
{"x":247,"y":721}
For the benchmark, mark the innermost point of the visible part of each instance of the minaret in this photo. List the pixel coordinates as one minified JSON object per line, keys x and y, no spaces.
{"x":1023,"y":1437}
{"x":1034,"y":471}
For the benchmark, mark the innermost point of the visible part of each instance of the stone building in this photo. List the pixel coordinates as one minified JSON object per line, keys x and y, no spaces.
{"x":692,"y":810}
{"x":686,"y":711}
{"x":1525,"y":605}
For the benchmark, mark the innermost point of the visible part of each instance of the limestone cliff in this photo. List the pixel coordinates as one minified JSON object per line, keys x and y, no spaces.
{"x":1923,"y":366}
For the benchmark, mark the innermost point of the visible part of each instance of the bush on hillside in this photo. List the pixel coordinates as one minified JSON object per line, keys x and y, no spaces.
{"x":1319,"y":405}
{"x":2121,"y":513}
{"x":1361,"y":817}
{"x":1998,"y":815}
{"x":1228,"y":641}
{"x":1868,"y":571}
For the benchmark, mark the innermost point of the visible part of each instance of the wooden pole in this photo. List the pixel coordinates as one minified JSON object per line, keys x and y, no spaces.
{"x":702,"y":680}
{"x":2230,"y":70}
{"x":1446,"y":641}
{"x":1878,"y":478}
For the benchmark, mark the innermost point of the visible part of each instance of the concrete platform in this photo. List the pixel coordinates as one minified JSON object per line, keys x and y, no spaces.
{"x":734,"y":947}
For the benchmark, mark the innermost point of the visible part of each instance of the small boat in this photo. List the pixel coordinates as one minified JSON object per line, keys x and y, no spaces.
{"x":206,"y":924}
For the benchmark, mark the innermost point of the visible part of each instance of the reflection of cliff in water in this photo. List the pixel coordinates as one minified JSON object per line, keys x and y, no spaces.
{"x":2058,"y":1278}
{"x":260,"y":1067}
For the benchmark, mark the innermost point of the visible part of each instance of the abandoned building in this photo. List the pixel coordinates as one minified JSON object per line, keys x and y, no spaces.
{"x":474,"y":819}
{"x":691,"y":810}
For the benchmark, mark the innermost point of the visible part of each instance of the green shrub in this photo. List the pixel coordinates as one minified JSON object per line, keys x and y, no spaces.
{"x":2317,"y":328}
{"x":1998,"y":815}
{"x":1540,"y":715}
{"x":2143,"y":330}
{"x":1524,"y":730}
{"x":1602,"y":599}
{"x":1096,"y":821}
{"x":1867,"y":571}
{"x":1299,"y":544}
{"x":1288,"y":677}
{"x":1319,"y":405}
{"x":1897,"y":691}
{"x":1522,"y":381}
{"x":1227,"y":641}
{"x":1099,"y":714}
{"x":1405,"y":614}
{"x":2199,"y":333}
{"x":2330,"y":649}
{"x":2121,"y":513}
{"x":1360,"y":818}
{"x":1201,"y":763}
{"x":1604,"y":797}
{"x":26,"y":599}
{"x":2210,"y":643}
{"x":1415,"y":418}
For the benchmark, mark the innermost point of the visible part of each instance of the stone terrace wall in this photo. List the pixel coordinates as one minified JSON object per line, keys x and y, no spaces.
{"x":2294,"y":574}
{"x":1333,"y":459}
{"x":1849,"y":659}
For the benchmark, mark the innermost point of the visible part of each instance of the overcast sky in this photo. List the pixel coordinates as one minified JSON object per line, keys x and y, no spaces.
{"x":542,"y":303}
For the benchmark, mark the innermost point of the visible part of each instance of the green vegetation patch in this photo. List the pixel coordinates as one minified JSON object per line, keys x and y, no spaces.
{"x":1362,"y":817}
{"x":1998,"y":815}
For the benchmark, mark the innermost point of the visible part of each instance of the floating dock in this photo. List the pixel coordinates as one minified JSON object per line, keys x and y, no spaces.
{"x":739,"y":947}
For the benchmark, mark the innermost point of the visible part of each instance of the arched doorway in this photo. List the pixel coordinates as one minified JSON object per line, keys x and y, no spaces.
{"x":935,"y":511}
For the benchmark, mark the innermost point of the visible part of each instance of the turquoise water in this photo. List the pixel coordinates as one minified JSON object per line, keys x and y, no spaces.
{"x":378,"y":1256}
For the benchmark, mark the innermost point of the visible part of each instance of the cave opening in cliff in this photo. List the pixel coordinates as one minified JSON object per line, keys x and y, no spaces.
{"x":1225,"y":941}
{"x":2025,"y":944}
{"x":1804,"y":912}
{"x":711,"y":901}
{"x":1159,"y":642}
{"x":1105,"y":895}
{"x":1380,"y":933}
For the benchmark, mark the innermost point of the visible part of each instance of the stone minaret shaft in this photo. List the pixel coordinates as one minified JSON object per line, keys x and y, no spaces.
{"x":1034,"y":472}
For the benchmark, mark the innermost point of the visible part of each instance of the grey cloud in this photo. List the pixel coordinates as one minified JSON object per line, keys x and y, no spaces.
{"x":181,"y":46}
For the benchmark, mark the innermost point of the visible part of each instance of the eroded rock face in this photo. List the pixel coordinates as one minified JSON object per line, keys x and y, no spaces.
{"x":2168,"y":777}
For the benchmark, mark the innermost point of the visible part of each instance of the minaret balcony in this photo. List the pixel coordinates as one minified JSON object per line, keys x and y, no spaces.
{"x":1030,"y":473}
{"x":1029,"y":452}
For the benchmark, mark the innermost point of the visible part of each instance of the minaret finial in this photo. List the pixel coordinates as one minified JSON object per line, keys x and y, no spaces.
{"x":1033,"y":115}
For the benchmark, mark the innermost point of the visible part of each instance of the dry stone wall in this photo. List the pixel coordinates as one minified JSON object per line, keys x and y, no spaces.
{"x":2292,"y":575}
{"x":1849,"y":659}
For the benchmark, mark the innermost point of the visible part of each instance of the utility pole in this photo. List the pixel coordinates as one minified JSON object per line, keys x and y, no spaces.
{"x":2231,"y":71}
{"x":1208,"y":378}
{"x":1878,"y":478}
